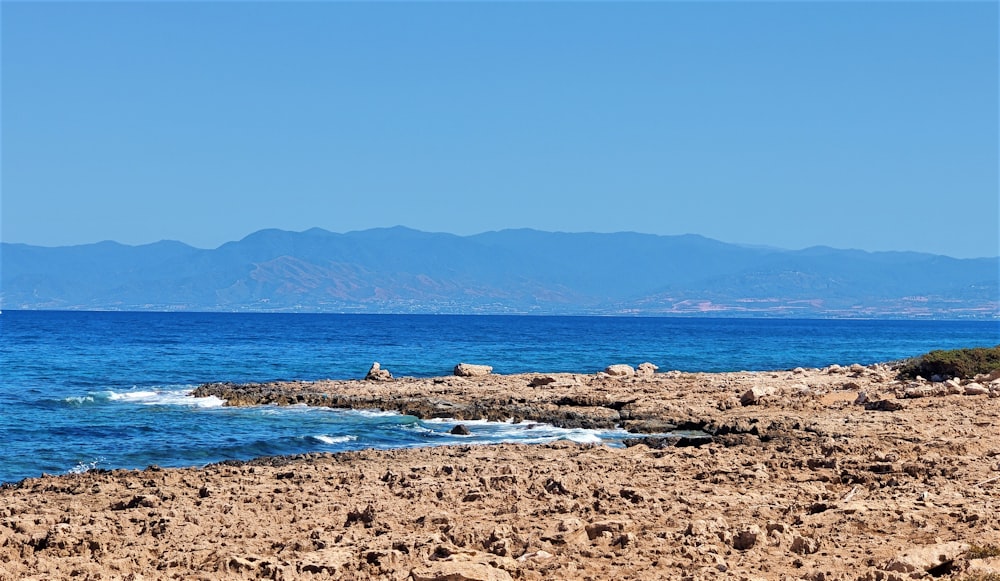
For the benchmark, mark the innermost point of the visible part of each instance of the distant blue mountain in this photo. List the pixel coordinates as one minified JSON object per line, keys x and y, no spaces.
{"x":511,"y":271}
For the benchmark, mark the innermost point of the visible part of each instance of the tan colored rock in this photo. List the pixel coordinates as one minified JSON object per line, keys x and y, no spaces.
{"x":804,"y":545}
{"x":976,"y":389}
{"x":927,"y":557}
{"x":376,"y":373}
{"x":619,"y":370}
{"x":539,"y":555}
{"x":459,"y":571}
{"x":327,"y":561}
{"x":753,"y":395}
{"x":471,"y":370}
{"x":646,"y":369}
{"x":984,"y":568}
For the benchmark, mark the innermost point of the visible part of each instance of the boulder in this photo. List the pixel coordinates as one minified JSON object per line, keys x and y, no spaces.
{"x":804,"y":545}
{"x":755,"y":393}
{"x":620,"y":370}
{"x":976,"y":389}
{"x":470,"y":370}
{"x":460,"y":430}
{"x":925,"y":558}
{"x":984,"y":568}
{"x":647,"y":369}
{"x":747,"y":538}
{"x":376,"y":373}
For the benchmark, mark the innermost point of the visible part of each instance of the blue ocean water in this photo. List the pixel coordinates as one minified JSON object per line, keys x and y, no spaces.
{"x":80,"y":389}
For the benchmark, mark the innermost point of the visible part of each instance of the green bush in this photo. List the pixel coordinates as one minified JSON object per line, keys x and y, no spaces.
{"x":983,"y":551}
{"x":962,"y":363}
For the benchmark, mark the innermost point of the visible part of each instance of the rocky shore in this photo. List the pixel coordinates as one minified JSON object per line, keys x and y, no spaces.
{"x":818,"y":474}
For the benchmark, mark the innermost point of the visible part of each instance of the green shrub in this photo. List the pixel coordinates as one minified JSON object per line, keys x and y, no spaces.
{"x":983,"y":551}
{"x":962,"y":363}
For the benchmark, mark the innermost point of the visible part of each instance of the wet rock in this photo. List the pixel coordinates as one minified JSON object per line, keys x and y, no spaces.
{"x":619,"y":370}
{"x":471,"y":370}
{"x":376,"y":373}
{"x":460,"y":430}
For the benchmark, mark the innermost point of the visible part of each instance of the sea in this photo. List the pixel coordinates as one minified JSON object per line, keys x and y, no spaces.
{"x":87,"y":390}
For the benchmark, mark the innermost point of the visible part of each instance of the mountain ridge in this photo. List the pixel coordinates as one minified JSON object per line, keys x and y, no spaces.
{"x":400,"y":269}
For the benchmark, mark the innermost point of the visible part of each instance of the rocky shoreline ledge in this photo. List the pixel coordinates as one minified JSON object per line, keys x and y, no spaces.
{"x":818,"y":474}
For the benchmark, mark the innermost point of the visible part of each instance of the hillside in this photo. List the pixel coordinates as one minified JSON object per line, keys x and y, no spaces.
{"x":511,"y":271}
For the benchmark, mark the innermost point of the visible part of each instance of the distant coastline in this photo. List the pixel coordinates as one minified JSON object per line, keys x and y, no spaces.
{"x":524,"y":272}
{"x":721,"y":314}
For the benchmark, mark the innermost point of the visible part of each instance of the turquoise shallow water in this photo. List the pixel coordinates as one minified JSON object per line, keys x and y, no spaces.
{"x":81,"y":390}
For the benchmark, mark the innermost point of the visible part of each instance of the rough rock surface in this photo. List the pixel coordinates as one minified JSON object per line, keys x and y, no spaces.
{"x":376,"y":373}
{"x":470,"y":370}
{"x":805,"y":484}
{"x":620,"y":369}
{"x":646,"y":369}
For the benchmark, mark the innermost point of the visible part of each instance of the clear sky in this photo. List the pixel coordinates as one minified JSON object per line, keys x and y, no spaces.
{"x":869,"y":125}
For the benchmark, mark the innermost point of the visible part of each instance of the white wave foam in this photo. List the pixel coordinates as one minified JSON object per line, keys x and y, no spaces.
{"x":524,"y":432}
{"x":79,"y":399}
{"x":137,"y":396}
{"x":334,"y":439}
{"x":84,"y":467}
{"x":180,"y":397}
{"x":373,"y":413}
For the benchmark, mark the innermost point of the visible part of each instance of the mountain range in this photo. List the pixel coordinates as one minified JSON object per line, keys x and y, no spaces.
{"x":400,"y":270}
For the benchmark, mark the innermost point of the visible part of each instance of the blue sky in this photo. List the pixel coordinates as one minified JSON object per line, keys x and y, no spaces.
{"x":849,"y":124}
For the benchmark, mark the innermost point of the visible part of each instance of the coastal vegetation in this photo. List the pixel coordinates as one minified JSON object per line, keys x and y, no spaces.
{"x":984,"y":551}
{"x":961,"y":363}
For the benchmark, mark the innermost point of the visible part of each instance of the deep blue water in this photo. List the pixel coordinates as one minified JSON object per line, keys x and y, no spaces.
{"x":108,"y":390}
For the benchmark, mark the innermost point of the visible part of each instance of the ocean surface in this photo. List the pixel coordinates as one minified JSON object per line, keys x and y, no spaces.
{"x":82,"y":390}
